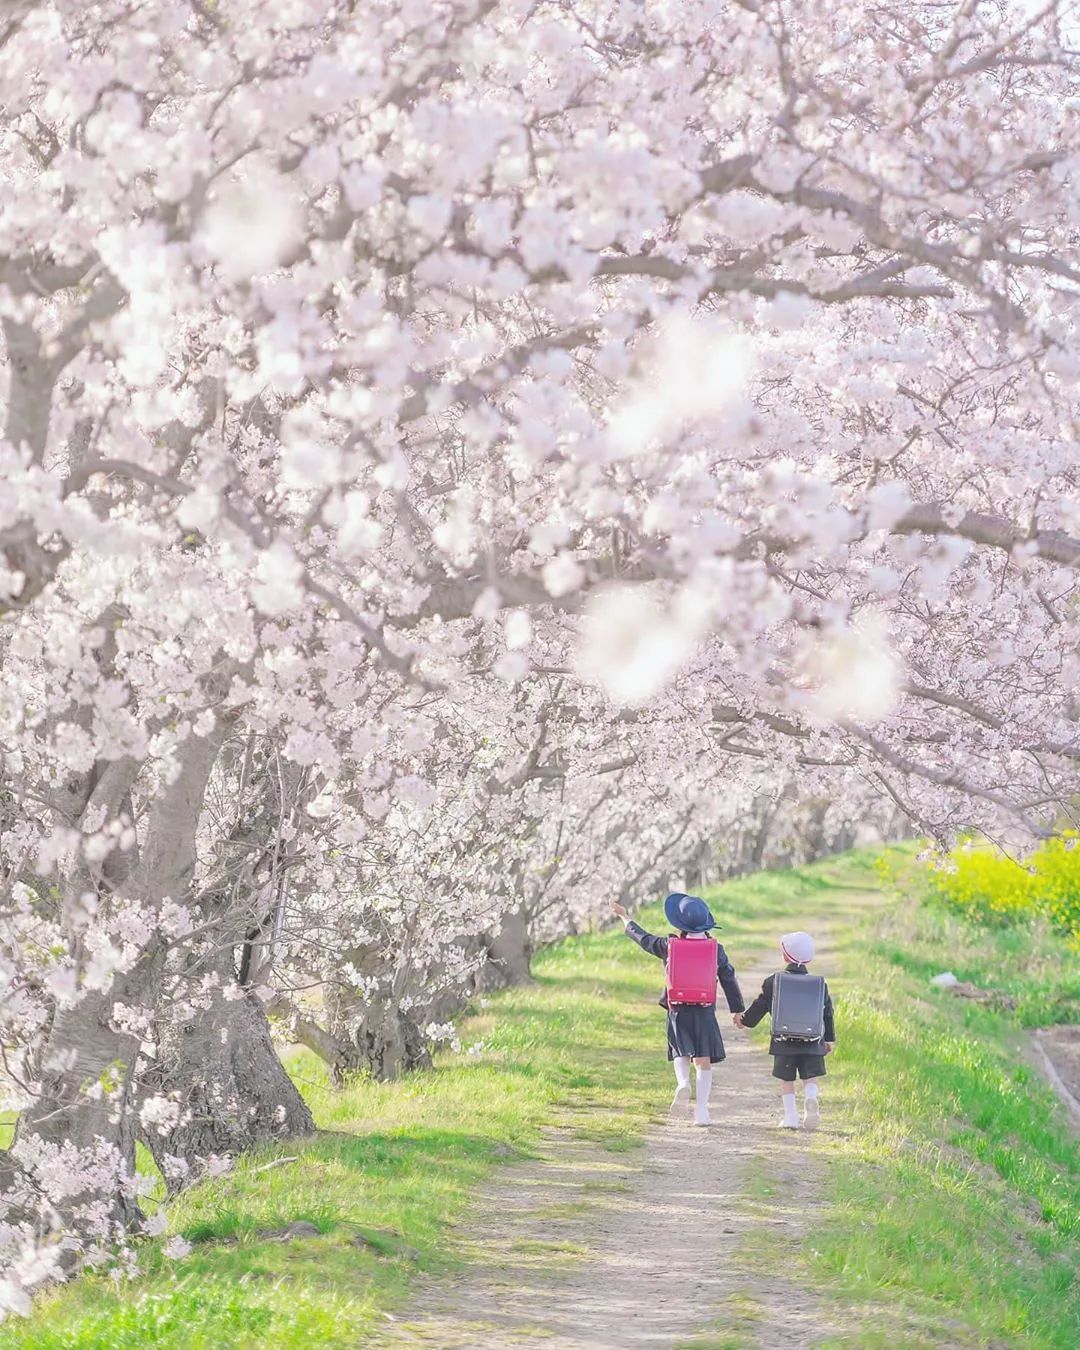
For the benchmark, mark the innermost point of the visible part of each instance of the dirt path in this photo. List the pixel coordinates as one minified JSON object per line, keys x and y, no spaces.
{"x":1057,"y":1054}
{"x":582,"y":1248}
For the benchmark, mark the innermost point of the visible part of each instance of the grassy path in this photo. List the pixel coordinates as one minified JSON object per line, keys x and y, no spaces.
{"x":660,"y":1231}
{"x":939,"y":1206}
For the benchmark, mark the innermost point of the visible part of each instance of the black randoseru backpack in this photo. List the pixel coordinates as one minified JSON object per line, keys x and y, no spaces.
{"x":798,"y":1007}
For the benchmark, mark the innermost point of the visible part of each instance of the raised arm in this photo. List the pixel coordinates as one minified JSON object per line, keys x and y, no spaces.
{"x":655,"y":946}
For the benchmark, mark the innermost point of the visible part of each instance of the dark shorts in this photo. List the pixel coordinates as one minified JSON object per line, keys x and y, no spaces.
{"x":788,"y":1067}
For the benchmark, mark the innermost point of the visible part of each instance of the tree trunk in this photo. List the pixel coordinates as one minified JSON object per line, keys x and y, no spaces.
{"x":509,"y":955}
{"x":379,"y":1038}
{"x":76,"y":1142}
{"x":86,"y":1136}
{"x":309,"y":1033}
{"x":373,"y":1037}
{"x":232,"y":1088}
{"x":376,"y":1038}
{"x":814,"y":841}
{"x":760,"y":837}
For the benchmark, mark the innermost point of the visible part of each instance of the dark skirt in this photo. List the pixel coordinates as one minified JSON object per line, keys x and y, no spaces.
{"x":694,"y":1031}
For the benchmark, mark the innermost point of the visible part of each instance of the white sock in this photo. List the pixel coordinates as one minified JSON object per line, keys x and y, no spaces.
{"x":681,"y":1065}
{"x":791,"y":1113}
{"x":811,"y":1092}
{"x":704,"y":1088}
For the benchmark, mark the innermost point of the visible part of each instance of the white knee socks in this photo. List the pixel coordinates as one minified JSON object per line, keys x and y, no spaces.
{"x":704,"y":1088}
{"x":681,"y":1065}
{"x":812,"y":1114}
{"x":791,"y":1114}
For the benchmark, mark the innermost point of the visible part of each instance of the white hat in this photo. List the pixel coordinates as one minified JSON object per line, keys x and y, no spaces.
{"x":797,"y":948}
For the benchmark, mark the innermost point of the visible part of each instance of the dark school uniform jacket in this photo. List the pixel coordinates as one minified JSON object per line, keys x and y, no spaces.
{"x":725,"y":971}
{"x":762,"y":1005}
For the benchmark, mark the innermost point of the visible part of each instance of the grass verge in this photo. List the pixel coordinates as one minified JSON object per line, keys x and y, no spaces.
{"x":954,"y":1176}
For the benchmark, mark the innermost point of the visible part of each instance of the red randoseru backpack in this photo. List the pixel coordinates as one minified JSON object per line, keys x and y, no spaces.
{"x":691,"y":970}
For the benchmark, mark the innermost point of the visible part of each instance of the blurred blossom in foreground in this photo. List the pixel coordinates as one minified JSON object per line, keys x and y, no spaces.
{"x":853,"y":674}
{"x":252,"y":225}
{"x":632,"y":646}
{"x":694,"y":369}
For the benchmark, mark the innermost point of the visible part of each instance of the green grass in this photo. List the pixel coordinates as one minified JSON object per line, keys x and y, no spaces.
{"x":954,"y":1185}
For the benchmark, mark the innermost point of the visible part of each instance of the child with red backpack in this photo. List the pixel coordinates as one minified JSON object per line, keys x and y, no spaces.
{"x":695,"y":962}
{"x":802,"y":1027}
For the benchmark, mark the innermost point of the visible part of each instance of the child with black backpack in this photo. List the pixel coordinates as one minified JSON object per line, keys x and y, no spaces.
{"x":802,"y":1027}
{"x":695,"y":963}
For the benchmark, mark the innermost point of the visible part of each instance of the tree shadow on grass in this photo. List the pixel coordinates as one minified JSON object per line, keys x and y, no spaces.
{"x":342,"y":1184}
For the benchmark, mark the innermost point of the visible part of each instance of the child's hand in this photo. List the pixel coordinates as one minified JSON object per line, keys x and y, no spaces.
{"x":620,"y":910}
{"x":737,"y":1019}
{"x":829,"y":1047}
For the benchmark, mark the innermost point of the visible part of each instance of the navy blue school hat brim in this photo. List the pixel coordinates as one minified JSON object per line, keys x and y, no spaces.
{"x":688,"y":913}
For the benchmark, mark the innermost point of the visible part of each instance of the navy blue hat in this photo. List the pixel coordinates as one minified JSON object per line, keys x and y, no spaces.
{"x":687,"y":913}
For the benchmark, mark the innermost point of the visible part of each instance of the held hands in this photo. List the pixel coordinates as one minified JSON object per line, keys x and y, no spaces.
{"x":736,"y":1019}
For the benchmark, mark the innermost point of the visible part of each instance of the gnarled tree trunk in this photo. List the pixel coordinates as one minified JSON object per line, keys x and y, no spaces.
{"x":232,"y":1088}
{"x":377,"y":1038}
{"x":81,"y":1124}
{"x":219,"y":1062}
{"x":68,"y":1127}
{"x":381,"y":1038}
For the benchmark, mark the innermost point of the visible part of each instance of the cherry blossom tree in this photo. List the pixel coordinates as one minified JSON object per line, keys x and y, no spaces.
{"x":462,"y":460}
